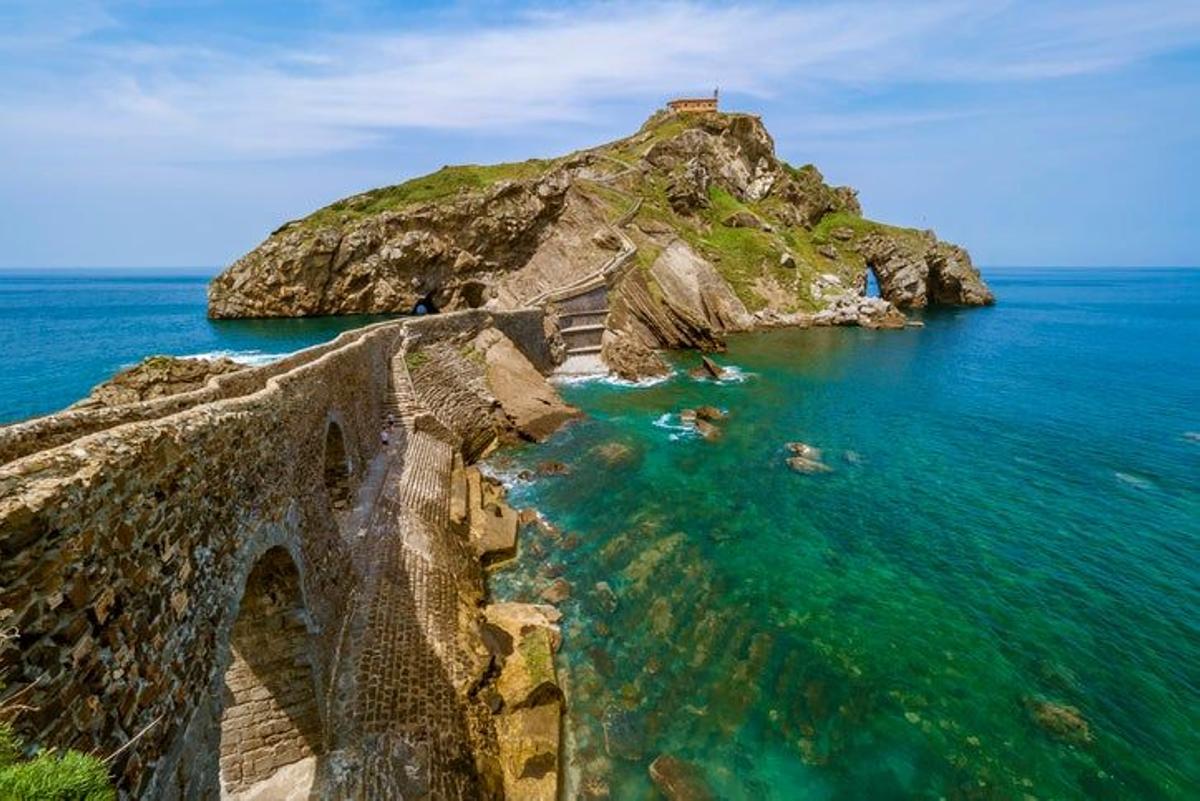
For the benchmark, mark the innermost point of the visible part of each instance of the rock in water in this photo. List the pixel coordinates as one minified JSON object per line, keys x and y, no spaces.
{"x":806,"y":459}
{"x":710,"y":413}
{"x":678,"y":780}
{"x":809,"y":466}
{"x":711,"y":368}
{"x":552,"y":468}
{"x":557,"y":592}
{"x":1061,"y":721}
{"x":531,"y":404}
{"x":708,"y":430}
{"x":614,"y":453}
{"x":804,"y":450}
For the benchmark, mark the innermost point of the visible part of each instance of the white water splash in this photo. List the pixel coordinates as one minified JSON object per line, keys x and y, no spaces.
{"x":251,"y":358}
{"x":611,"y":380}
{"x":732,"y":374}
{"x":670,"y":422}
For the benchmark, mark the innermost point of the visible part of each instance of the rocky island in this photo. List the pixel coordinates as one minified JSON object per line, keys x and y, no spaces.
{"x":689,"y":229}
{"x":247,"y":580}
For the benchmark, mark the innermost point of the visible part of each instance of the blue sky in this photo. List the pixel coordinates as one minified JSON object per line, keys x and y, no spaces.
{"x":179,"y":133}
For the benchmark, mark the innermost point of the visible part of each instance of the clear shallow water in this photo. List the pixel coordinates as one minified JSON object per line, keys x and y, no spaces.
{"x":61,"y":334}
{"x":1019,"y":519}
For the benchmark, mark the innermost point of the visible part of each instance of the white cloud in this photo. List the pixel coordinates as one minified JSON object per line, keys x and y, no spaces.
{"x":161,"y":100}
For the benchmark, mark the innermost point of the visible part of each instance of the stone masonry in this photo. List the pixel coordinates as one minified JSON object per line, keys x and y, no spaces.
{"x":183,"y":586}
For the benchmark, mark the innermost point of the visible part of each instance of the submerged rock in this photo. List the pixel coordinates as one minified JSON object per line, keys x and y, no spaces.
{"x":552,"y":468}
{"x":806,"y":458}
{"x":1061,"y":721}
{"x":614,"y":453}
{"x":624,"y":733}
{"x":710,"y":413}
{"x":608,"y":598}
{"x":557,"y":592}
{"x":680,"y":781}
{"x":801,"y":465}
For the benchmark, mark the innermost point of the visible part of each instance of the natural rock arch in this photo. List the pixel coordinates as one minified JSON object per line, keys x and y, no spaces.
{"x":270,"y":717}
{"x":337,"y":466}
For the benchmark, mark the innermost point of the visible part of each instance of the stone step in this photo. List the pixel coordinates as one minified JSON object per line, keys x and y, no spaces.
{"x":588,"y":317}
{"x":579,"y":329}
{"x":583,"y":339}
{"x":583,"y":349}
{"x":593,"y":300}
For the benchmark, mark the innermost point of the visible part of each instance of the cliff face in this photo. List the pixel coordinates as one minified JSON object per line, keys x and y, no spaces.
{"x":727,"y":237}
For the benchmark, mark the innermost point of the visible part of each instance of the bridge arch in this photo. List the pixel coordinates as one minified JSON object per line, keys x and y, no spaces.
{"x":337,"y":466}
{"x":270,"y":715}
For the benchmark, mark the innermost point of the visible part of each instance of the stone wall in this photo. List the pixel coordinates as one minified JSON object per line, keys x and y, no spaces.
{"x":125,"y":553}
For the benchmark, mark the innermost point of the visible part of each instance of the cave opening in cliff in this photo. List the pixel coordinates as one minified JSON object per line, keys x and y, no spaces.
{"x":872,"y":283}
{"x":337,"y":467}
{"x":425,"y":305}
{"x":270,"y":718}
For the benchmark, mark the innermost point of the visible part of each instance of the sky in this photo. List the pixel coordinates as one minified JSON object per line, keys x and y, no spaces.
{"x":177,"y":134}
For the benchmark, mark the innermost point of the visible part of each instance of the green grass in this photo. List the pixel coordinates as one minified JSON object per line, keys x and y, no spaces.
{"x":52,"y":775}
{"x":441,"y":184}
{"x":822,"y":231}
{"x":415,"y":358}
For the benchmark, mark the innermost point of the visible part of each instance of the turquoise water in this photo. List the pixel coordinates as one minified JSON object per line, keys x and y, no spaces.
{"x":1013,"y":516}
{"x":62,"y":333}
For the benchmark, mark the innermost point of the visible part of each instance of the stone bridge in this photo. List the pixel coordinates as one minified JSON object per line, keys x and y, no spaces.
{"x":214,"y":586}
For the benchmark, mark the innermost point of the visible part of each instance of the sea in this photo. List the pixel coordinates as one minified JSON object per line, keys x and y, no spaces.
{"x":993,"y":592}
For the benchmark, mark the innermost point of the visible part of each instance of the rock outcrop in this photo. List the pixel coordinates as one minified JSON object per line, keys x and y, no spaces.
{"x":528,"y":700}
{"x":485,"y":390}
{"x":375,"y":254}
{"x":915,"y":271}
{"x":156,"y":377}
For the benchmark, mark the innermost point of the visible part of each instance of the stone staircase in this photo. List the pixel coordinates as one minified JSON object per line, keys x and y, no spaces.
{"x":410,"y":670}
{"x":582,"y":307}
{"x":581,"y":321}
